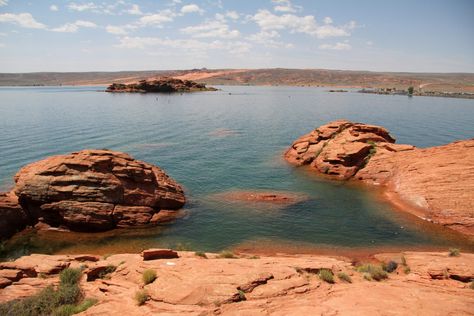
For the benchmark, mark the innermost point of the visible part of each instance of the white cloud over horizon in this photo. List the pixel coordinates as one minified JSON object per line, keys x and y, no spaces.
{"x":25,"y":20}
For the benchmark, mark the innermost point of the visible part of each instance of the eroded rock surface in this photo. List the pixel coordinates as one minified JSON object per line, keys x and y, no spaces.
{"x":289,"y":285}
{"x":435,"y":183}
{"x":92,"y":190}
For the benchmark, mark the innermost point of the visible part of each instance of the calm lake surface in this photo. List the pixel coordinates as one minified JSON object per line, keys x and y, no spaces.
{"x":233,"y":139}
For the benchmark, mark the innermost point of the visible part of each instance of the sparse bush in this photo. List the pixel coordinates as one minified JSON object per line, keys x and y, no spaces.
{"x":390,"y":266}
{"x":227,"y":254}
{"x":108,"y":270}
{"x":410,"y":90}
{"x":403,"y":260}
{"x":201,"y":254}
{"x":326,"y":275}
{"x":242,"y":295}
{"x":375,"y":272}
{"x":148,"y":276}
{"x":406,"y":269}
{"x":254,"y":257}
{"x":471,"y":286}
{"x":60,"y":302}
{"x":70,"y":276}
{"x":141,"y":297}
{"x":344,"y":277}
{"x":454,"y":252}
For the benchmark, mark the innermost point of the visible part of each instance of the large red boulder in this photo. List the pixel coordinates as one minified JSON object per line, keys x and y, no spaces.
{"x":95,"y":190}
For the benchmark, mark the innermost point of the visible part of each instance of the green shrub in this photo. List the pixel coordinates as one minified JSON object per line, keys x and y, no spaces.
{"x":344,"y":277}
{"x":326,"y":275}
{"x":375,"y":272}
{"x":148,"y":276}
{"x":242,"y":295}
{"x":108,"y":270}
{"x":471,"y":286}
{"x":254,"y":257}
{"x":454,"y":252}
{"x":201,"y":254}
{"x":227,"y":254}
{"x":390,"y":266}
{"x":141,"y":297}
{"x":406,"y":269}
{"x":70,"y":276}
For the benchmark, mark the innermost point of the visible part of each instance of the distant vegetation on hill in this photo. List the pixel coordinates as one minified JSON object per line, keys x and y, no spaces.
{"x":450,"y":82}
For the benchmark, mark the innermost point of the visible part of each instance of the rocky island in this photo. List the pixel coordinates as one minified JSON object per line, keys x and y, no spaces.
{"x":89,"y":190}
{"x":159,"y":85}
{"x":434,"y":183}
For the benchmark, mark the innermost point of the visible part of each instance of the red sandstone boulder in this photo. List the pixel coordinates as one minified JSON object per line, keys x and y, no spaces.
{"x":339,"y":148}
{"x":153,"y":254}
{"x":12,"y":217}
{"x":95,"y":190}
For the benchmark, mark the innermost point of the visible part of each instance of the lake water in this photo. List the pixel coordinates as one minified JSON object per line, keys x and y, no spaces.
{"x":233,"y":139}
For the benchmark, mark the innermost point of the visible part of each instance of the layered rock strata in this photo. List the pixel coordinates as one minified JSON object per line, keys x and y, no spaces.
{"x":91,"y":190}
{"x":434,"y":183}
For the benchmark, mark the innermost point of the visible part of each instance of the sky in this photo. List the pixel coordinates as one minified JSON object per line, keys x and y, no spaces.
{"x":99,"y":35}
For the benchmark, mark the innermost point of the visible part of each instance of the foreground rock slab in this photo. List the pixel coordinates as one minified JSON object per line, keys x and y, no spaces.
{"x":90,"y":190}
{"x":435,"y":184}
{"x":249,"y":285}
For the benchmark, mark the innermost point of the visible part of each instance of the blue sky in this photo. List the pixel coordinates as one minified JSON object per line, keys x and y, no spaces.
{"x":90,"y":35}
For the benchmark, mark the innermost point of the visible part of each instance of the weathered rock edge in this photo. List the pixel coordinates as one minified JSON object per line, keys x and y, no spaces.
{"x":89,"y":190}
{"x":435,"y":184}
{"x":249,"y":285}
{"x":160,"y":85}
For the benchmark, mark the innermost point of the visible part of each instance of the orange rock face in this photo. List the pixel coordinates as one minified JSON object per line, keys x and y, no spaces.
{"x":435,"y":183}
{"x":95,"y":190}
{"x":289,"y":285}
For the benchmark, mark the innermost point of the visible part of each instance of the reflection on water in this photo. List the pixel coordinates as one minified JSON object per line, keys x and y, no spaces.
{"x":213,"y":142}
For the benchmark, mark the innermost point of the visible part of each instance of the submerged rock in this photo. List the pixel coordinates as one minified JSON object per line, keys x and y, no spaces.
{"x":160,"y":85}
{"x":93,"y":190}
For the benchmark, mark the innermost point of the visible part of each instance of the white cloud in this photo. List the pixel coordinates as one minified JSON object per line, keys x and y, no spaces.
{"x":327,"y":20}
{"x":74,"y":27}
{"x":25,"y":20}
{"x":285,"y":6}
{"x":157,"y":19}
{"x":135,"y":9}
{"x":82,"y":7}
{"x":215,"y":28}
{"x":3,"y":2}
{"x":117,"y":30}
{"x":189,"y":45}
{"x":53,"y":7}
{"x":337,"y":46}
{"x":369,"y":43}
{"x":232,"y":15}
{"x":299,"y":24}
{"x":191,"y":8}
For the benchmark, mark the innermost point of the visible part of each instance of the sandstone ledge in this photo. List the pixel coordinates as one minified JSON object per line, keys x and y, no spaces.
{"x":436,"y":284}
{"x":435,"y":184}
{"x":159,"y":85}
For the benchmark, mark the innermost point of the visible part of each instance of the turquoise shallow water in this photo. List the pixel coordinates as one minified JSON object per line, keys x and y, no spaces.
{"x":213,"y":142}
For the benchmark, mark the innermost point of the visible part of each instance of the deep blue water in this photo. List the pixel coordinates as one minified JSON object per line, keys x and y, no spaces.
{"x":180,"y":133}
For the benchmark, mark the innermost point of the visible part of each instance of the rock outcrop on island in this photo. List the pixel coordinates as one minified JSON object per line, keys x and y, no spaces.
{"x":423,"y":283}
{"x":435,"y":183}
{"x":160,"y":85}
{"x":90,"y":190}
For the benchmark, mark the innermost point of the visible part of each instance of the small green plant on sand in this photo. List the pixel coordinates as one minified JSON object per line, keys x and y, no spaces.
{"x":344,"y":277}
{"x":149,"y":276}
{"x":254,"y":257}
{"x":108,"y":270}
{"x":201,"y":254}
{"x":471,"y":286}
{"x":326,"y":275}
{"x":242,"y":295}
{"x":454,"y":252}
{"x":141,"y":297}
{"x":375,"y":272}
{"x":226,"y":254}
{"x":390,"y":266}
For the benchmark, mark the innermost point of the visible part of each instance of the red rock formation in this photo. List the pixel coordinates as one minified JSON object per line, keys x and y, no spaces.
{"x":160,"y":85}
{"x":12,"y":217}
{"x":435,"y":183}
{"x":95,"y":190}
{"x":278,"y":285}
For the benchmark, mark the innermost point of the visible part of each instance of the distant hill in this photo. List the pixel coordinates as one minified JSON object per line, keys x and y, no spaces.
{"x":450,"y":82}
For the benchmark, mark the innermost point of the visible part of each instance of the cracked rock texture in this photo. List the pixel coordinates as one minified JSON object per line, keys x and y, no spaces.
{"x":192,"y":285}
{"x":91,"y":190}
{"x":435,"y":184}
